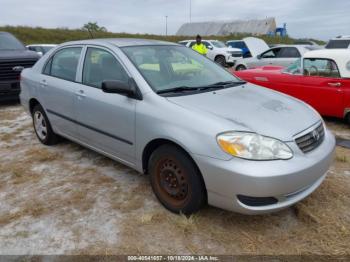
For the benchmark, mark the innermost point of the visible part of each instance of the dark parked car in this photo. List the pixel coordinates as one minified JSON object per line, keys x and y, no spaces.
{"x":14,"y":57}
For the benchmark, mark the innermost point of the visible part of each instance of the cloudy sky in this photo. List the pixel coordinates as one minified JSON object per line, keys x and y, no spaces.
{"x":320,"y":19}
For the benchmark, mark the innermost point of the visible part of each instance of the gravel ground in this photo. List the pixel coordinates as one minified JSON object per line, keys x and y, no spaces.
{"x":69,"y":200}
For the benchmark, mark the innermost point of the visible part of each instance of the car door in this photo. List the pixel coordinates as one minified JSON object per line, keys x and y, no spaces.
{"x":106,"y":121}
{"x":269,"y":57}
{"x":58,"y":88}
{"x":322,"y":86}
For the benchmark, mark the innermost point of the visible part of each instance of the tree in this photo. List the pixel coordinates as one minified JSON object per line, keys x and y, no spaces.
{"x":92,"y":27}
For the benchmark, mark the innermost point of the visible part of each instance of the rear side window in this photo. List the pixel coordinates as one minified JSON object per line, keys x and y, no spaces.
{"x":338,"y":44}
{"x":64,"y":64}
{"x":321,"y":68}
{"x":290,"y":52}
{"x":100,"y":65}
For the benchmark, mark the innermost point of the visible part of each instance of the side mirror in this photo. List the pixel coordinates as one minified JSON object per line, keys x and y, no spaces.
{"x":259,"y":57}
{"x":210,"y":47}
{"x":128,"y":88}
{"x":40,"y":53}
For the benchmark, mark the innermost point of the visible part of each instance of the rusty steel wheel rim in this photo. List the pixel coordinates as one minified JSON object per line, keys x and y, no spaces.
{"x":172,"y":182}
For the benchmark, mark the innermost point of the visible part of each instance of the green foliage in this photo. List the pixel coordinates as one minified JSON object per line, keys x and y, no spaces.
{"x":93,"y":27}
{"x":37,"y":35}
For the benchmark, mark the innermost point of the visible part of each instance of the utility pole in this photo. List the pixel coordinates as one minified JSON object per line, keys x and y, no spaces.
{"x":166,"y":25}
{"x":190,"y":11}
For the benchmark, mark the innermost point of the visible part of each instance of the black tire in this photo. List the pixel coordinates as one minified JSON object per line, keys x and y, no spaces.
{"x":347,"y":118}
{"x":221,"y":60}
{"x":176,"y":181}
{"x":47,"y":136}
{"x":241,"y":68}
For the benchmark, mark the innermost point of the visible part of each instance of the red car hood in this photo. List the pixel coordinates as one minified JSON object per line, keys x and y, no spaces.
{"x":259,"y":70}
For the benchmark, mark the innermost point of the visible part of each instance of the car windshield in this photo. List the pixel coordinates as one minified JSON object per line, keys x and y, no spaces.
{"x":9,"y":42}
{"x":294,"y":68}
{"x":169,"y":67}
{"x":218,"y":44}
{"x":47,"y":48}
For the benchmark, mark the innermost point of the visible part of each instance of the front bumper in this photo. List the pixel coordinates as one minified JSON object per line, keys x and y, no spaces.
{"x":9,"y":90}
{"x":232,"y":60}
{"x":287,"y":180}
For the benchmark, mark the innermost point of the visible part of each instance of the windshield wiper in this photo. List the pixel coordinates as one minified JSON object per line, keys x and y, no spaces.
{"x":178,"y":89}
{"x":226,"y":84}
{"x":218,"y":85}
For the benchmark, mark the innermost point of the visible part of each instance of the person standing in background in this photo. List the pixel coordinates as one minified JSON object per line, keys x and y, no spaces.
{"x":199,"y":46}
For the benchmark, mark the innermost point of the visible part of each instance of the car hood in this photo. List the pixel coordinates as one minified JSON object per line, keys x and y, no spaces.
{"x":255,"y":45}
{"x":259,"y":70}
{"x":18,"y":54}
{"x":255,"y":109}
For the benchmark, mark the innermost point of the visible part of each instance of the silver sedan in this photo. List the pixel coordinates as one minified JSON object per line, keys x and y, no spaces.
{"x":201,"y":134}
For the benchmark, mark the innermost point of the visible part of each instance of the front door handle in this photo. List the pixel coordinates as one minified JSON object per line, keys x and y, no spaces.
{"x":43,"y":83}
{"x":334,"y":84}
{"x":81,"y":93}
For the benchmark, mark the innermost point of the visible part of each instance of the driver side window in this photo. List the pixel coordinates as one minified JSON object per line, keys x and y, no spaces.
{"x":207,"y":45}
{"x":321,"y":68}
{"x":272,"y":53}
{"x":100,"y":65}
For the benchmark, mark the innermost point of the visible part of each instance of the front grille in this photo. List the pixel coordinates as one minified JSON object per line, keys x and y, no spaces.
{"x":6,"y":68}
{"x":311,"y":140}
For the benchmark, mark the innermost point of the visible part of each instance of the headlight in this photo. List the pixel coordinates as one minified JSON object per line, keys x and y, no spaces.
{"x":253,"y":146}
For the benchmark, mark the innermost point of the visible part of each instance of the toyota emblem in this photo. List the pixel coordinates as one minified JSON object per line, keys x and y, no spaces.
{"x":316,"y":135}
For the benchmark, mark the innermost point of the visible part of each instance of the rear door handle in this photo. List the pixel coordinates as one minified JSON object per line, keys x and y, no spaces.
{"x":334,"y":84}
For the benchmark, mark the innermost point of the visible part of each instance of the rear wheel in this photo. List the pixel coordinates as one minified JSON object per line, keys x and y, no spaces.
{"x":240,"y":68}
{"x":176,"y":180}
{"x":220,"y":60}
{"x":42,"y":126}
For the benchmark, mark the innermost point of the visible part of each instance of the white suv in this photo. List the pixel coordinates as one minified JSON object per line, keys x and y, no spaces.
{"x":218,"y":51}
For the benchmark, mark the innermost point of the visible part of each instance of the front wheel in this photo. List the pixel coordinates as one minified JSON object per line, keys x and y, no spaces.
{"x":176,"y":181}
{"x":220,"y":60}
{"x":42,"y":126}
{"x":240,"y":68}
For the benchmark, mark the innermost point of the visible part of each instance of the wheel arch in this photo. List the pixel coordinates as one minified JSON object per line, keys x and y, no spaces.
{"x":347,"y":115}
{"x":156,"y":143}
{"x":152,"y":146}
{"x":32,"y":103}
{"x":241,"y":65}
{"x":219,"y":55}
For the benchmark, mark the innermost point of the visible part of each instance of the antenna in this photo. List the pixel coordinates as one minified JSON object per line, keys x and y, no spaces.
{"x":190,"y":11}
{"x":166,"y":25}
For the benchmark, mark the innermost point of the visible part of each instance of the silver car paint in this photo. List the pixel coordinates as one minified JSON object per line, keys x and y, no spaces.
{"x":192,"y":122}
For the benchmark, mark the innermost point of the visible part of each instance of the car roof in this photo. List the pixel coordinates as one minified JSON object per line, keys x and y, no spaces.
{"x":121,"y":42}
{"x":43,"y":45}
{"x":340,"y":56}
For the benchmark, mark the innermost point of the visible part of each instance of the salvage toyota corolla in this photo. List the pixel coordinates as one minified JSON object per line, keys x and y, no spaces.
{"x":203,"y":135}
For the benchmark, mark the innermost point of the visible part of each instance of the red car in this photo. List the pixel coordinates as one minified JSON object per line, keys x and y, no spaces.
{"x":321,"y":78}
